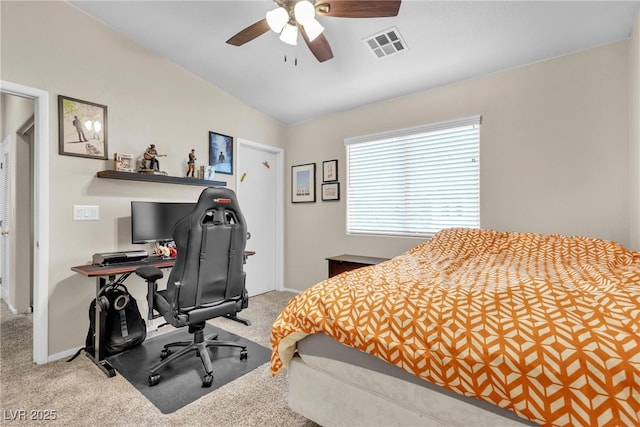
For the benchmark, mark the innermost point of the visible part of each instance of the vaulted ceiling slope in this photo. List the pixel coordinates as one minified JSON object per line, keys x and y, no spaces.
{"x":446,"y":41}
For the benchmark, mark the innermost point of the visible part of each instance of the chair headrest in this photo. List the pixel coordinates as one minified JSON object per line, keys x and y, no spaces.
{"x":214,"y":198}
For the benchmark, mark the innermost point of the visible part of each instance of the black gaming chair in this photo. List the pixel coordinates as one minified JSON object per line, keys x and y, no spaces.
{"x":207,"y":280}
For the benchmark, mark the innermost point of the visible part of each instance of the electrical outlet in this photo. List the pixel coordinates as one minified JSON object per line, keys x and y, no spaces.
{"x":86,"y":213}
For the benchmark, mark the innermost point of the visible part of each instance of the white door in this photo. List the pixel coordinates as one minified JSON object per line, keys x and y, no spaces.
{"x":5,"y":217}
{"x":259,"y":194}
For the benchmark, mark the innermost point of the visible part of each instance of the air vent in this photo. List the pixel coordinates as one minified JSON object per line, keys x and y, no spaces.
{"x":386,"y":43}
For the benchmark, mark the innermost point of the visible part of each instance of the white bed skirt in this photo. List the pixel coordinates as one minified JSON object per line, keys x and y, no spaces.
{"x":361,"y":397}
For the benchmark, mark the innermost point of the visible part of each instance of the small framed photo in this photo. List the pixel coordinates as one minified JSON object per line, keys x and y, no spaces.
{"x":329,"y":170}
{"x":331,"y":191}
{"x":123,"y":162}
{"x":209,"y":173}
{"x":303,"y":183}
{"x":221,"y":152}
{"x":82,"y":128}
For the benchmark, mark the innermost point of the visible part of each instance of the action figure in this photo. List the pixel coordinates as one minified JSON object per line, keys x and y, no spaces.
{"x":191,"y":164}
{"x":152,"y":155}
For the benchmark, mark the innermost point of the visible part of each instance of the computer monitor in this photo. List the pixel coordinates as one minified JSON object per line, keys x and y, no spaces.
{"x":154,"y":221}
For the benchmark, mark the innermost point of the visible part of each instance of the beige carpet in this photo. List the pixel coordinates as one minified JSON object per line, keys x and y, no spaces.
{"x":81,"y":395}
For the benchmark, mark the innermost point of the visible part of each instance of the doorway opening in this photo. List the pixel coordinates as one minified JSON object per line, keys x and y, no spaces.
{"x":16,"y":203}
{"x":40,"y":207}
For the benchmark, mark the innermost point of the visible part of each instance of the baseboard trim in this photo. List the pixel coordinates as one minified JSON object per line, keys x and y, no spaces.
{"x":63,"y":354}
{"x":12,"y":309}
{"x":295,"y":291}
{"x":4,"y":292}
{"x":152,"y":330}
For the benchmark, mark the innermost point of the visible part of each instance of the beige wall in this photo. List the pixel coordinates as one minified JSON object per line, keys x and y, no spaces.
{"x":634,"y":137}
{"x":54,"y":47}
{"x":14,"y":112}
{"x":554,"y":150}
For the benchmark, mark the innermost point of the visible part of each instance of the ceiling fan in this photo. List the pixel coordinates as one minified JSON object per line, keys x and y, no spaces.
{"x":293,"y":16}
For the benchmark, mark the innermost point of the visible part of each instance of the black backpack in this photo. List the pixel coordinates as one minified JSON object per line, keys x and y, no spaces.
{"x":124,"y":326}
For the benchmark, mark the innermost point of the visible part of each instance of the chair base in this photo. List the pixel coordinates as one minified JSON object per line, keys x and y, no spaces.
{"x":238,"y":319}
{"x":201,"y":346}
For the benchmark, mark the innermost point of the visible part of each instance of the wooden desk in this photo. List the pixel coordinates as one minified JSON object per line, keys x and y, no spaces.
{"x":106,"y":275}
{"x":91,"y":270}
{"x":102,"y":274}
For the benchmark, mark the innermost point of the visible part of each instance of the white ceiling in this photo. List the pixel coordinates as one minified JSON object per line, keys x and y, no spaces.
{"x":447,"y":41}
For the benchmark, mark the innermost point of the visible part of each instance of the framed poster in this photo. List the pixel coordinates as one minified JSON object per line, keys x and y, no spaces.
{"x":221,"y":152}
{"x":329,"y":171}
{"x":331,"y":191}
{"x":82,"y":128}
{"x":303,"y":183}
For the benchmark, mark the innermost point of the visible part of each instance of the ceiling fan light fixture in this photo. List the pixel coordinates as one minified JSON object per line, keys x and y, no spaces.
{"x":293,"y":16}
{"x":304,"y":12}
{"x":313,"y":29}
{"x":277,"y":18}
{"x":289,"y":34}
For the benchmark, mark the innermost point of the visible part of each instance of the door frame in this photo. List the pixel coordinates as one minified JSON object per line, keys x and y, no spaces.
{"x":41,"y":215}
{"x":279,"y":192}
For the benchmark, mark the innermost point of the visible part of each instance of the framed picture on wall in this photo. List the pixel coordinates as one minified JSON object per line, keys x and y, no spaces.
{"x":221,"y":152}
{"x":329,"y":170}
{"x":331,"y":191}
{"x":303,"y":183}
{"x":82,"y":128}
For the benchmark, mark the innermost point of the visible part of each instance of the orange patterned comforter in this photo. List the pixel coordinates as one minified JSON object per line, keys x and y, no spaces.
{"x":544,"y":325}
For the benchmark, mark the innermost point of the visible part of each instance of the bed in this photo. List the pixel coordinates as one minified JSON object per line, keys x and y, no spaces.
{"x":472,"y":327}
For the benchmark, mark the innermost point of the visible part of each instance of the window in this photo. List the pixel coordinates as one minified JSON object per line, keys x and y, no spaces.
{"x":416,"y":181}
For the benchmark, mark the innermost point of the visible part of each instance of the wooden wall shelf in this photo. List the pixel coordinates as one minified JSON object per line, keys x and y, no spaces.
{"x":135,"y":176}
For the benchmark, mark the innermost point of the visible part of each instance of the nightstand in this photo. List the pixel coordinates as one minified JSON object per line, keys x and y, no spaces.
{"x":341,"y":263}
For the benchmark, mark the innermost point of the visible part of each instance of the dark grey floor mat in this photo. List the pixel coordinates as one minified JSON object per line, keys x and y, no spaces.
{"x":181,"y":381}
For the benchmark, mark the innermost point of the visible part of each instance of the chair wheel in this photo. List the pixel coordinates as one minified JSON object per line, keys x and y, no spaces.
{"x":154,"y":379}
{"x":244,"y":354}
{"x":207,"y":380}
{"x":165,"y":353}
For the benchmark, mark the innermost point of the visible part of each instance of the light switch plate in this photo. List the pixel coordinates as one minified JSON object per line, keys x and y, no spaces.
{"x":86,"y":213}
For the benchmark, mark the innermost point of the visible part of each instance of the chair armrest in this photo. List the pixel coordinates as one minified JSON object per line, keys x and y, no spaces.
{"x":175,"y":304}
{"x":151,"y":274}
{"x":151,"y":290}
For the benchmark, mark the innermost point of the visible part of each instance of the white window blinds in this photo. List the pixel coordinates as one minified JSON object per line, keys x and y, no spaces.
{"x":416,"y":181}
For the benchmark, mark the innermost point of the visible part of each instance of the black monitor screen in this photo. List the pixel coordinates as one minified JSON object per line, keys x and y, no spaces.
{"x":154,"y":221}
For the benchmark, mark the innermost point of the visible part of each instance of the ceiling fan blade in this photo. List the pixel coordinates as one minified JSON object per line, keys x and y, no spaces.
{"x":358,"y":8}
{"x":319,"y":46}
{"x":249,"y":33}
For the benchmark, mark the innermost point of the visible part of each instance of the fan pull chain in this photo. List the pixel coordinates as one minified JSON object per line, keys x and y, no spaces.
{"x":295,"y":59}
